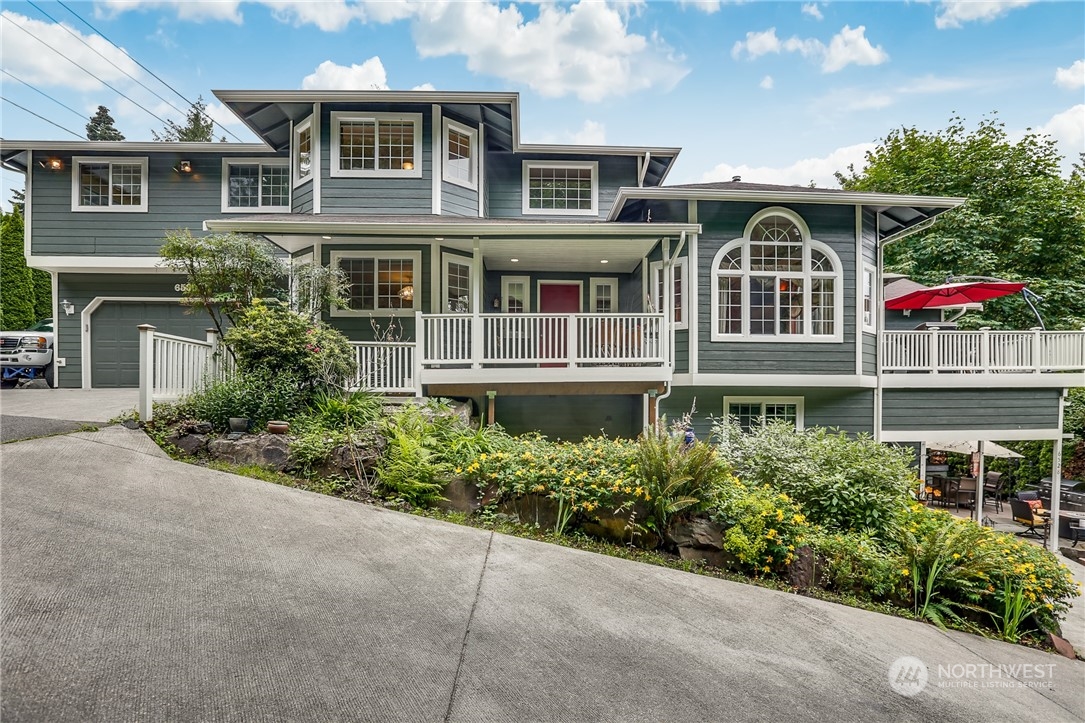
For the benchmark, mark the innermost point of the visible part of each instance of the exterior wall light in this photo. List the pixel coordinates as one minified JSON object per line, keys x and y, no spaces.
{"x":69,"y":307}
{"x":184,"y":167}
{"x":52,"y":164}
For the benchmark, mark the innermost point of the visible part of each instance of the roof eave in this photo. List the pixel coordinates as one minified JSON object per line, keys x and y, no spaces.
{"x":264,"y":226}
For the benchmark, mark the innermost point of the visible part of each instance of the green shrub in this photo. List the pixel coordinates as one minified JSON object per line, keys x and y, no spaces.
{"x":257,"y":397}
{"x":269,"y":338}
{"x":678,"y":477}
{"x":857,"y":563}
{"x":335,"y":410}
{"x":762,"y":527}
{"x":410,"y":469}
{"x":842,"y":483}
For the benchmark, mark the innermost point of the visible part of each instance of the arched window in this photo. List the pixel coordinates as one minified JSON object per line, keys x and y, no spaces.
{"x":776,"y":282}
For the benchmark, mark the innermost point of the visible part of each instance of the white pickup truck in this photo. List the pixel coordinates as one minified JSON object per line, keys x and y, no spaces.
{"x":28,"y":354}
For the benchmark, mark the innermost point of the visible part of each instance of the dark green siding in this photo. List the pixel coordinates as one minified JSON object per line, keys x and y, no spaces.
{"x":851,"y":410}
{"x":456,"y":200}
{"x":870,"y":354}
{"x":302,"y":200}
{"x":80,"y":289}
{"x":571,"y":417}
{"x":504,"y":182}
{"x":725,"y":222}
{"x":174,"y":201}
{"x":907,"y":409}
{"x":391,"y":196}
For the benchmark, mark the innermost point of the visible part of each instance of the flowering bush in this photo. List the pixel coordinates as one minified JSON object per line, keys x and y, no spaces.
{"x":762,"y":528}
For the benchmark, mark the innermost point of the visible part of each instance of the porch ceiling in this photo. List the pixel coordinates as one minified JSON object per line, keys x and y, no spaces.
{"x":566,"y":255}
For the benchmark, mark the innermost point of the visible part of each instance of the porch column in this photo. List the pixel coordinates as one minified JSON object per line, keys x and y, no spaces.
{"x":1056,"y":490}
{"x":477,"y":338}
{"x":922,"y":467}
{"x":146,"y":371}
{"x":977,"y":507}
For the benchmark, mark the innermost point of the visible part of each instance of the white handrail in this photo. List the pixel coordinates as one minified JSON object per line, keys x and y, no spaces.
{"x":385,"y":366}
{"x":985,"y":351}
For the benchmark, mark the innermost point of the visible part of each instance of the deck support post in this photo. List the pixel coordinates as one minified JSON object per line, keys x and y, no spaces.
{"x":652,"y":408}
{"x":490,"y":397}
{"x":977,"y":505}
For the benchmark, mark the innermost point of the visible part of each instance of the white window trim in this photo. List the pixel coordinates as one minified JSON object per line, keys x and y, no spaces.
{"x":416,"y":302}
{"x":799,"y":403}
{"x":870,"y":327}
{"x":446,"y":260}
{"x":526,"y":170}
{"x":506,"y":282}
{"x":339,"y":116}
{"x":295,"y":159}
{"x":472,"y":134}
{"x":808,"y":243}
{"x":145,"y":190}
{"x":227,"y":208}
{"x":593,"y":292}
{"x":655,"y":271}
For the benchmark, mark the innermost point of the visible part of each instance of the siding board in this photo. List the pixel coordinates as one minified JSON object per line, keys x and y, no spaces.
{"x":905,"y":409}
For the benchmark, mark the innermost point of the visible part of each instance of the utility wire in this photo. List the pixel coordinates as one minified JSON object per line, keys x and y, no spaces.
{"x":141,"y":65}
{"x":123,"y":95}
{"x":67,"y":130}
{"x":41,"y":92}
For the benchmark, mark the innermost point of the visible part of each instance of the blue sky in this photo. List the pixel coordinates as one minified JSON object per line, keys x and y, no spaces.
{"x":778,"y":92}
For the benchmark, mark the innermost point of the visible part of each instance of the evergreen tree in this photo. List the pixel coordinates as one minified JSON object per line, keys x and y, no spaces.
{"x":43,"y":294}
{"x":198,"y":126}
{"x":101,"y":128}
{"x":16,"y":283}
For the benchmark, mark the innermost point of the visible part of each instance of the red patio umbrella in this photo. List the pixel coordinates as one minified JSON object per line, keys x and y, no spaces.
{"x":959,"y":294}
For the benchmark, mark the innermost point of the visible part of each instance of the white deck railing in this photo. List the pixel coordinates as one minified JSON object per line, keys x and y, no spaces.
{"x":386,"y":367}
{"x":532,"y":339}
{"x":940,"y":352}
{"x":172,"y":366}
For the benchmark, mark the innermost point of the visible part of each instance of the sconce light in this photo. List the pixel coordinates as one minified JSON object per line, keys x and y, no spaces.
{"x":408,"y":165}
{"x":407,"y":293}
{"x":69,"y":307}
{"x":496,"y":303}
{"x":52,"y":164}
{"x":183,"y":167}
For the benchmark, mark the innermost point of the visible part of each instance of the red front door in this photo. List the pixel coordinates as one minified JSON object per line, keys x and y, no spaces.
{"x":556,"y":299}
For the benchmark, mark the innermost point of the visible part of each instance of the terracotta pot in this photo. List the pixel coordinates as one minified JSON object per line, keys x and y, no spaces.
{"x":276,"y":426}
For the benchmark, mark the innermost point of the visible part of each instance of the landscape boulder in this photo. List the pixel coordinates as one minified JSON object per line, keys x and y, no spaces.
{"x":190,"y":444}
{"x":271,"y":451}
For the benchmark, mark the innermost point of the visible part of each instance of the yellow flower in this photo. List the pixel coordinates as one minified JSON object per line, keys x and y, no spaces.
{"x":779,"y":515}
{"x":905,"y":573}
{"x":459,"y":469}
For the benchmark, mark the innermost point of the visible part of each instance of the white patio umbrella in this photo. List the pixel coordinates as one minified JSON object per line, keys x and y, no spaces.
{"x":990,"y":449}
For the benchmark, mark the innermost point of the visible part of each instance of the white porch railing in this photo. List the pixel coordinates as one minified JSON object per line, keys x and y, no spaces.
{"x":386,"y":367}
{"x":532,"y":339}
{"x":985,"y":351}
{"x":173,"y":366}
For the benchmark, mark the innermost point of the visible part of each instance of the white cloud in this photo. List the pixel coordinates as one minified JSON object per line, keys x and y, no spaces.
{"x":28,"y":53}
{"x":812,"y":10}
{"x":705,"y":6}
{"x":328,"y":15}
{"x":1072,"y":77}
{"x":848,"y":47}
{"x":222,"y":116}
{"x":370,"y":75}
{"x":799,"y":173}
{"x":592,"y":133}
{"x":954,"y":13}
{"x":584,"y":49}
{"x":1068,"y":129}
{"x":228,"y":10}
{"x":766,"y":83}
{"x":424,"y":86}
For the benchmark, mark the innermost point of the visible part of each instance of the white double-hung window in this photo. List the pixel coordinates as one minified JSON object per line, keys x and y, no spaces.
{"x":460,"y":154}
{"x":777,"y":283}
{"x":255,"y":185}
{"x":109,"y":184}
{"x":376,"y":144}
{"x":658,"y":289}
{"x":302,"y":152}
{"x":380,"y":282}
{"x":561,"y":188}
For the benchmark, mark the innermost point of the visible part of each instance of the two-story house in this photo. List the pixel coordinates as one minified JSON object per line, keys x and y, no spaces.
{"x":562,"y":288}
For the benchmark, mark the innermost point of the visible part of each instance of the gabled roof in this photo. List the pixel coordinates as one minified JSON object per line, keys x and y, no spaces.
{"x":897,"y":213}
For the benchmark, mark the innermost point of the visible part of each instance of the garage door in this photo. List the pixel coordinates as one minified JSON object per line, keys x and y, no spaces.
{"x":114,"y":339}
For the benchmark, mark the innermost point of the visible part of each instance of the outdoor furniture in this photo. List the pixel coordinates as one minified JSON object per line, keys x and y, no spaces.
{"x":963,"y":491}
{"x":1024,"y":513}
{"x":992,"y":490}
{"x":1077,"y":532}
{"x":936,"y":490}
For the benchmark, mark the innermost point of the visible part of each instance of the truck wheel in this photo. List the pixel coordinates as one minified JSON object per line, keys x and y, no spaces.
{"x":49,"y":374}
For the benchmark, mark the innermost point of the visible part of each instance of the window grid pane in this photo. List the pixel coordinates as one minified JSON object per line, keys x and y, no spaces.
{"x":677,"y":294}
{"x":746,"y":415}
{"x":360,"y":275}
{"x":730,"y":305}
{"x":94,"y":184}
{"x":868,"y":305}
{"x":244,"y":186}
{"x":459,"y":288}
{"x":305,"y":147}
{"x":566,"y":189}
{"x":357,"y":146}
{"x":776,"y":229}
{"x":458,"y":162}
{"x":395,"y":145}
{"x":127,"y":184}
{"x":791,"y":306}
{"x":823,"y":306}
{"x":732,"y":261}
{"x":274,"y":186}
{"x":775,"y":412}
{"x":776,"y":257}
{"x":604,"y":298}
{"x":394,"y":276}
{"x":762,"y":305}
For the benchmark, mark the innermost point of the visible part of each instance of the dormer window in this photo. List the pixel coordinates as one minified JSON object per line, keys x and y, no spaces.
{"x":777,"y":284}
{"x":377,"y":144}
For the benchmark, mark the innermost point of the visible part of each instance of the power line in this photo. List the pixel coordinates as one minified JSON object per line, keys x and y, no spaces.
{"x":144,"y":67}
{"x":123,"y":95}
{"x":67,"y":130}
{"x":41,"y":92}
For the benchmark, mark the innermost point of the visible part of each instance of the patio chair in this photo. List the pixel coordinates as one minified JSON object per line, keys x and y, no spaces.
{"x":992,"y":490}
{"x":1025,"y":514}
{"x":963,"y":491}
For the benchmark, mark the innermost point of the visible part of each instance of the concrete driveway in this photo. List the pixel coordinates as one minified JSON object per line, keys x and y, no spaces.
{"x":135,"y":587}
